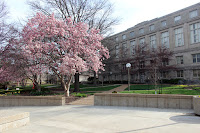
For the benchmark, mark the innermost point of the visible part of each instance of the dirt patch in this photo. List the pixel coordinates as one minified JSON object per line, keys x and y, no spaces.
{"x":71,"y":99}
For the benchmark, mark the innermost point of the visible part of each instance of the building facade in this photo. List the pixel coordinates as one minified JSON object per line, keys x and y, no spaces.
{"x":178,"y":31}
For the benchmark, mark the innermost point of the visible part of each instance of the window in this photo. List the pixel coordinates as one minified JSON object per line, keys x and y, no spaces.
{"x":177,"y":18}
{"x":153,"y":41}
{"x":165,"y":39}
{"x":141,"y":31}
{"x":196,"y":58}
{"x":141,"y":41}
{"x":142,"y":46}
{"x":116,"y":39}
{"x":132,"y":34}
{"x":142,"y":64}
{"x":195,"y":33}
{"x":124,"y":37}
{"x":179,"y":73}
{"x":179,"y":40}
{"x":117,"y":51}
{"x":179,"y":59}
{"x":164,"y":74}
{"x":123,"y":66}
{"x":124,"y":49}
{"x":132,"y":47}
{"x":193,"y":14}
{"x":165,"y":62}
{"x":151,"y":27}
{"x":164,"y":23}
{"x":196,"y":73}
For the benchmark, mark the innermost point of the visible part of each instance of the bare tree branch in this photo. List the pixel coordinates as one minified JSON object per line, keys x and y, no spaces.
{"x":96,"y":13}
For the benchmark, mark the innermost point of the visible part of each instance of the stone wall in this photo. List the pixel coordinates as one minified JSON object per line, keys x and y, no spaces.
{"x":6,"y":101}
{"x":196,"y":104}
{"x":145,"y":100}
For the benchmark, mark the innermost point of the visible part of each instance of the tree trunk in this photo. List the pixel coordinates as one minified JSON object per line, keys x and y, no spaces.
{"x":36,"y":84}
{"x":76,"y":83}
{"x":95,"y":79}
{"x":66,"y":85}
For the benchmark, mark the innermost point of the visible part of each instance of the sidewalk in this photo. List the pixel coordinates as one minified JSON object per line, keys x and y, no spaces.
{"x":106,"y":119}
{"x":90,"y":99}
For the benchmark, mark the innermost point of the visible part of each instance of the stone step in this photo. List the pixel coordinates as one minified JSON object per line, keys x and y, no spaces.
{"x":11,"y":119}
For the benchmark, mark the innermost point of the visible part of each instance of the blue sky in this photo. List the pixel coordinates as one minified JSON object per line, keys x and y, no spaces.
{"x":131,"y":12}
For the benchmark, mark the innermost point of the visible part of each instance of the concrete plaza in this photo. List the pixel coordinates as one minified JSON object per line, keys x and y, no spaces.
{"x":106,"y":119}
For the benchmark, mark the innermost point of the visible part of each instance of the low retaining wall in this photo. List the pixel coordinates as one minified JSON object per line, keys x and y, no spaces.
{"x":144,"y":100}
{"x":6,"y":101}
{"x":196,"y":104}
{"x":12,"y":119}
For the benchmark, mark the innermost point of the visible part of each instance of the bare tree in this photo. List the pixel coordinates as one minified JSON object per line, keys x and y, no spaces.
{"x":96,"y":13}
{"x":159,"y":66}
{"x":7,"y":31}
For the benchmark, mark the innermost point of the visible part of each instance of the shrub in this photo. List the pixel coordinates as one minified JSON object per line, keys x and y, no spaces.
{"x":79,"y":95}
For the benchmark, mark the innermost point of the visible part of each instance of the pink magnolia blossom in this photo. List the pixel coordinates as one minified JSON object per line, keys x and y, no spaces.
{"x":63,"y":47}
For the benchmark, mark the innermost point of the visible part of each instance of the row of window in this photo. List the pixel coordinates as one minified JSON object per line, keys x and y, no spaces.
{"x":179,"y":39}
{"x":179,"y":74}
{"x":179,"y":60}
{"x":163,"y":24}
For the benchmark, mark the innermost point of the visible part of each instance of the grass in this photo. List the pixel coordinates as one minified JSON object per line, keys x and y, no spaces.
{"x":100,"y":88}
{"x":79,"y":94}
{"x":85,"y":90}
{"x":166,"y":89}
{"x":145,"y":87}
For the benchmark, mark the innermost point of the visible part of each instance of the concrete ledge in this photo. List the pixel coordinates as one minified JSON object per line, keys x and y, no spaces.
{"x":196,"y":104}
{"x":144,"y":100}
{"x":6,"y":101}
{"x":12,"y":119}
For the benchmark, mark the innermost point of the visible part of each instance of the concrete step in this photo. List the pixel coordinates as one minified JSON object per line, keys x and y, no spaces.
{"x":11,"y":119}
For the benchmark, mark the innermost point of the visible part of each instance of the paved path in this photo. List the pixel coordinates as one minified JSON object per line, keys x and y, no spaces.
{"x":90,"y":99}
{"x":107,"y":119}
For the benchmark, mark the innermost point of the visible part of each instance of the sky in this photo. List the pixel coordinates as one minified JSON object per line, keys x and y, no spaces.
{"x":130,"y":12}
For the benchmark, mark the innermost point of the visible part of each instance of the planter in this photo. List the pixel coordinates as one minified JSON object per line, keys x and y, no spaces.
{"x":196,"y":104}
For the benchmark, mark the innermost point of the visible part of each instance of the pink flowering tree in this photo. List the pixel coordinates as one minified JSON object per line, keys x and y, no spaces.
{"x":63,"y":47}
{"x":17,"y":65}
{"x":12,"y":63}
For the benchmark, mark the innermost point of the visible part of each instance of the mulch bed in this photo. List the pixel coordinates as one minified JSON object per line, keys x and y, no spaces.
{"x":71,"y":99}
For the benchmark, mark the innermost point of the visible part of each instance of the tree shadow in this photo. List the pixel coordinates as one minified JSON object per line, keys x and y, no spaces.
{"x":188,"y":118}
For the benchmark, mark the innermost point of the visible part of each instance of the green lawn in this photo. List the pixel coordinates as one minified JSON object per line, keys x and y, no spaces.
{"x":100,"y":88}
{"x":166,"y":89}
{"x":145,"y":87}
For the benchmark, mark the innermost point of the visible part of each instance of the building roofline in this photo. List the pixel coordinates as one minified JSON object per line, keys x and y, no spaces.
{"x":155,"y":19}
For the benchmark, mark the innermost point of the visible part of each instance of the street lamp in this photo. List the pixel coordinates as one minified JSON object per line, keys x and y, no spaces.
{"x":128,"y":65}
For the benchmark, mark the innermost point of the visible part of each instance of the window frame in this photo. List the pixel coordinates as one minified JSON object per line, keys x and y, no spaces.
{"x":192,"y":12}
{"x":179,"y":60}
{"x":141,"y":31}
{"x":177,"y":18}
{"x":123,"y":36}
{"x":180,"y":74}
{"x":163,"y":23}
{"x":153,"y":41}
{"x":195,"y":33}
{"x":179,"y":35}
{"x":196,"y":58}
{"x":165,"y":39}
{"x":131,"y":34}
{"x":152,"y":27}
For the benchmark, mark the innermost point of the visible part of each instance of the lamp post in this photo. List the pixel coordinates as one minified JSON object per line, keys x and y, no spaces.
{"x":128,"y":65}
